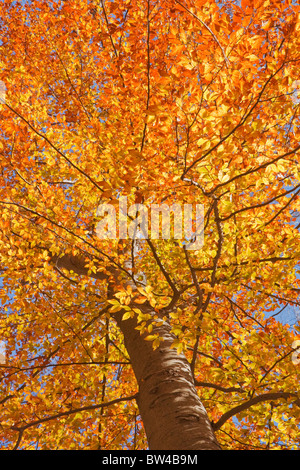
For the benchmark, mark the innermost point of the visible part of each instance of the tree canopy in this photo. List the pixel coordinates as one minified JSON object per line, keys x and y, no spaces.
{"x":187,"y":102}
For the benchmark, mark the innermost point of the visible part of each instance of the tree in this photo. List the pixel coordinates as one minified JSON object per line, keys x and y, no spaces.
{"x":115,"y":343}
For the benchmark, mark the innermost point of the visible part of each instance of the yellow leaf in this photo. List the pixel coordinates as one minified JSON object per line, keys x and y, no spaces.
{"x":115,"y":308}
{"x":141,"y":290}
{"x":140,"y":300}
{"x":150,"y":337}
{"x":127,"y":315}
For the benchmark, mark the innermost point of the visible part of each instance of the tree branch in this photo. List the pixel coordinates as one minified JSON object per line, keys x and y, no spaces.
{"x":218,"y":387}
{"x":72,"y":411}
{"x":59,"y":152}
{"x":208,"y":29}
{"x":223,"y":139}
{"x":253,"y":401}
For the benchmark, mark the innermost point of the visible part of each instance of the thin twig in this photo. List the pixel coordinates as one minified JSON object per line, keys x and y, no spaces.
{"x":208,"y":29}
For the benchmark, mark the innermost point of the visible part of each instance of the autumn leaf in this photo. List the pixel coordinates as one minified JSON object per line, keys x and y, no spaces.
{"x":175,"y":103}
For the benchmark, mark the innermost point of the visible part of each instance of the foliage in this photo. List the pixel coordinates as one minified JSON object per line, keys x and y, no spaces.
{"x":170,"y":101}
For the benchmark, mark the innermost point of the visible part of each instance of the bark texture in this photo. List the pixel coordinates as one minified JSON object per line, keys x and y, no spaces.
{"x":173,"y":415}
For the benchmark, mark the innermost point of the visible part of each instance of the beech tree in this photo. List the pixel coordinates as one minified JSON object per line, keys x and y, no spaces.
{"x":122,"y":343}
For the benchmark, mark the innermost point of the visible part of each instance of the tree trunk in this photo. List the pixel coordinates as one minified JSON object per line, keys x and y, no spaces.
{"x":173,"y":415}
